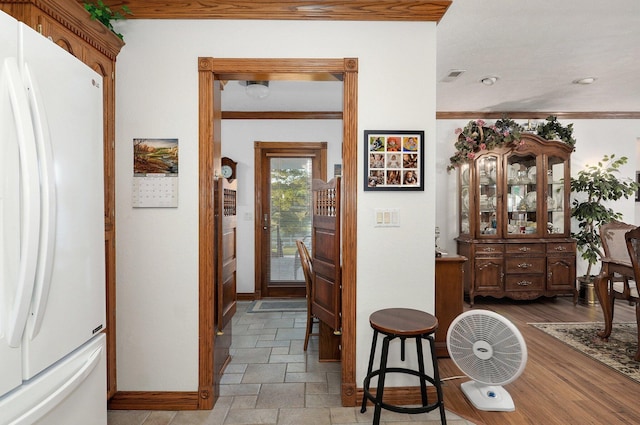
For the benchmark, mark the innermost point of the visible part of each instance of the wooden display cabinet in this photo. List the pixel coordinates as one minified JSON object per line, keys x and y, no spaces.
{"x":69,"y":25}
{"x":514,"y":221}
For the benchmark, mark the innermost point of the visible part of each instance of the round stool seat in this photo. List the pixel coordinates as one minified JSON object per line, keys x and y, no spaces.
{"x":403,"y":322}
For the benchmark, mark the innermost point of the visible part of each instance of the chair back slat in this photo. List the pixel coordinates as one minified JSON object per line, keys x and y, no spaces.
{"x":305,"y":260}
{"x":612,"y":235}
{"x":632,"y":238}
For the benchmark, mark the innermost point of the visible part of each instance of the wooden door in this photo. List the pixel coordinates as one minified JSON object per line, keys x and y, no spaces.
{"x":284,"y":174}
{"x":226,"y":224}
{"x":224,"y":291}
{"x":326,"y":299}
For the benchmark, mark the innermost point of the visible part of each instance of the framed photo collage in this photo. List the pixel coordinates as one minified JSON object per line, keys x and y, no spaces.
{"x":394,"y":160}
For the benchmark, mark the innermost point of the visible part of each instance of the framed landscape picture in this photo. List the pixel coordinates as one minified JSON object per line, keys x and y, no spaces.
{"x":393,"y":160}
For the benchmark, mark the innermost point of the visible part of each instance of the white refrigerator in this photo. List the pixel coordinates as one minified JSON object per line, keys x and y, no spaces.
{"x":52,"y":261}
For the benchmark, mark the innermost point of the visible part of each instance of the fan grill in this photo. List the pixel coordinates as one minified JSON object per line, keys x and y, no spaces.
{"x":477,"y":331}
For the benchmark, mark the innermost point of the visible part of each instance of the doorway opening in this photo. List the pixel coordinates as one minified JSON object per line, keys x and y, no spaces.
{"x":284,"y":172}
{"x":211,"y":72}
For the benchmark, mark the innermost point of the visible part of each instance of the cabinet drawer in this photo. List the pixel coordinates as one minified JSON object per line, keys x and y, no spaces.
{"x":561,"y":248}
{"x":489,"y":249}
{"x":525,"y":282}
{"x":526,"y":249}
{"x":531,"y":265}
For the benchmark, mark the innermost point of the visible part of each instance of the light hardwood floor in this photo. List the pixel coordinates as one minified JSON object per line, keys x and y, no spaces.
{"x":559,"y":385}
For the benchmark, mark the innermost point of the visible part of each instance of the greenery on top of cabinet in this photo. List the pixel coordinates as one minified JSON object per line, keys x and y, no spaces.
{"x":103,"y":13}
{"x":478,"y":135}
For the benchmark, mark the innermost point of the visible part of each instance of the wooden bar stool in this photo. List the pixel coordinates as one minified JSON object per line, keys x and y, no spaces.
{"x":402,"y":323}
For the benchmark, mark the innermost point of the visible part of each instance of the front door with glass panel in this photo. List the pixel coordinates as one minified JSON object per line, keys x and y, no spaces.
{"x":284,"y":175}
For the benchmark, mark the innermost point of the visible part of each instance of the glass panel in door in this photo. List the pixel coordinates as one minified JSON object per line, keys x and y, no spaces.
{"x":522,"y":205}
{"x":487,"y":194}
{"x":290,"y":217}
{"x":464,"y":198}
{"x":555,"y":201}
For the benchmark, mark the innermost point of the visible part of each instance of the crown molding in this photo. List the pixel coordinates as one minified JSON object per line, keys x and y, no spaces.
{"x":601,"y":115}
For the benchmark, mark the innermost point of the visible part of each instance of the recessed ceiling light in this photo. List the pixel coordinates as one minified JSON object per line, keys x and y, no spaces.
{"x":489,"y":81}
{"x":584,"y":81}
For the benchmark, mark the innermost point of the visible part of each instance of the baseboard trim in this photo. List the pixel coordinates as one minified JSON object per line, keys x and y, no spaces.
{"x":400,"y":396}
{"x":154,"y":400}
{"x":246,"y":296}
{"x":188,"y":400}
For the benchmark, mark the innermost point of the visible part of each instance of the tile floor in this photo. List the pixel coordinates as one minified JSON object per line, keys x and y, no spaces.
{"x":271,"y":380}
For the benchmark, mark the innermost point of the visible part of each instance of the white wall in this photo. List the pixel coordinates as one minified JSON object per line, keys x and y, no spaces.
{"x":595,"y":138}
{"x":157,"y":249}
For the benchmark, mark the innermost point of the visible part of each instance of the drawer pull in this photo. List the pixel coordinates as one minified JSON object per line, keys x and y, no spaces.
{"x":488,"y":249}
{"x":524,"y":283}
{"x":561,"y":248}
{"x":525,"y":265}
{"x":524,"y":249}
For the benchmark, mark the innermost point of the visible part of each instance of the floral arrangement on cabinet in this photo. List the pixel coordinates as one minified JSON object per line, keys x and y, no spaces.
{"x":478,"y":136}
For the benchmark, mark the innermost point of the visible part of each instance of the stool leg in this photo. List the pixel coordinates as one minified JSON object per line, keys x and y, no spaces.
{"x":436,"y":378}
{"x":370,"y":368}
{"x":383,"y":371}
{"x":423,"y":381}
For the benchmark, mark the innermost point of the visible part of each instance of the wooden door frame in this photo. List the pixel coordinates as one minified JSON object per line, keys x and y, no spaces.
{"x":210,"y":72}
{"x":285,"y":149}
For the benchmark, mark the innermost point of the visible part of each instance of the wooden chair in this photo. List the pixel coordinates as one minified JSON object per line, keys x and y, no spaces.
{"x":305,"y":260}
{"x":630,"y":291}
{"x":616,"y":278}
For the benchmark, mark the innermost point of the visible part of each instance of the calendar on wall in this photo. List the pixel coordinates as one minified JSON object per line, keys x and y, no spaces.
{"x":155,"y":191}
{"x":155,"y":173}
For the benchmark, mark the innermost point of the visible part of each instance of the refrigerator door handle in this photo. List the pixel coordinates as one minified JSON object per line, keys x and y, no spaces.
{"x":44,"y":406}
{"x":48,"y":204}
{"x":30,"y":208}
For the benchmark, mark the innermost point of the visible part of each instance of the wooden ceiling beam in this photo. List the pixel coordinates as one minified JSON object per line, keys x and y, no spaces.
{"x":352,"y":10}
{"x":281,"y":115}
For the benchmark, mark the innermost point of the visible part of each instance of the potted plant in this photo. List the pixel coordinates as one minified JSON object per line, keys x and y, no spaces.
{"x":595,"y":185}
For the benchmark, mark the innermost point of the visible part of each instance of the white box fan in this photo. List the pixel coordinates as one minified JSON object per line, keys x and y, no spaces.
{"x":491,"y":351}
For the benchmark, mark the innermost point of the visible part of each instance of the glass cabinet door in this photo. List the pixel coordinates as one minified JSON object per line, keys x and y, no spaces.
{"x":522,"y":202}
{"x":464,"y":199}
{"x":555,"y":196}
{"x":486,"y":173}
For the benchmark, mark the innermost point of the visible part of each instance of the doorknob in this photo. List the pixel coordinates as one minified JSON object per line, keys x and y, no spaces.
{"x":265,"y":226}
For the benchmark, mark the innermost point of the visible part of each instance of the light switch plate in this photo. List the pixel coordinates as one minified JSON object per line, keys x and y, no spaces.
{"x":386,"y":217}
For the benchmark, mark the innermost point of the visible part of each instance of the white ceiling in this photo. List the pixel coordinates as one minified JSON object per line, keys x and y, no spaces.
{"x":285,"y":96}
{"x":535,"y":48}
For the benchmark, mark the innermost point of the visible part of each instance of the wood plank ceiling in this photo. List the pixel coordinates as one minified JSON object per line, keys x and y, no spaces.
{"x":353,"y":10}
